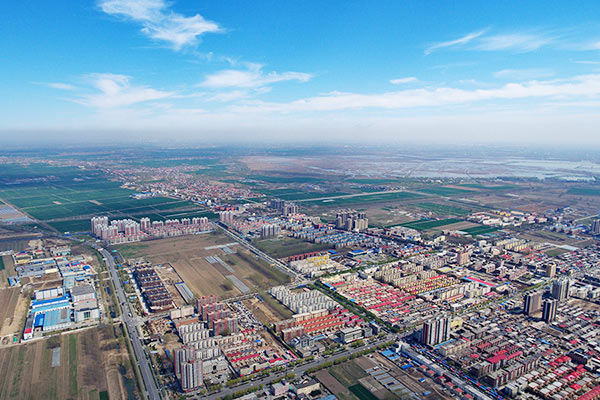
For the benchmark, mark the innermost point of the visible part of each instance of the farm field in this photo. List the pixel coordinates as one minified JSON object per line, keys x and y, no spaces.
{"x":443,"y":209}
{"x":89,"y":368}
{"x":445,"y":191}
{"x":188,"y":256}
{"x":480,"y":230}
{"x":584,"y":191}
{"x":364,"y":199}
{"x":280,"y":248}
{"x":53,"y":193}
{"x":425,"y":224}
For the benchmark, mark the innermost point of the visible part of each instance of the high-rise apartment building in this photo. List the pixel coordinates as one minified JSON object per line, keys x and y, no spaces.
{"x":560,"y":289}
{"x":436,"y":331}
{"x":532,"y":303}
{"x":550,"y":307}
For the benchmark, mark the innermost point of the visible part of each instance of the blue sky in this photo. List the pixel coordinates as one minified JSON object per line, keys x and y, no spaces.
{"x":302,"y":70}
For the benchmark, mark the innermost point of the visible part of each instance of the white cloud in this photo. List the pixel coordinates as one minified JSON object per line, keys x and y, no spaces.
{"x":160,"y":23}
{"x":460,"y":41}
{"x":252,"y":77}
{"x":113,"y":91}
{"x":521,"y":42}
{"x":524,"y":74}
{"x":57,"y":85}
{"x":584,"y":86}
{"x":400,"y":81}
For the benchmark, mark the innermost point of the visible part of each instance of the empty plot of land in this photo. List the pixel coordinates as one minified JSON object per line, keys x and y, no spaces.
{"x":209,"y":271}
{"x":77,"y":366}
{"x":13,"y":307}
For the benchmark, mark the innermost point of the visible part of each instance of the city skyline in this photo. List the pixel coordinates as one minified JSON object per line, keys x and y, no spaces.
{"x":149,"y":69}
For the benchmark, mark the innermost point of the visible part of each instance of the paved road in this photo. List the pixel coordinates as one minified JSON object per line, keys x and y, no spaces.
{"x":278,"y":264}
{"x":299,"y":370}
{"x":129,"y":320}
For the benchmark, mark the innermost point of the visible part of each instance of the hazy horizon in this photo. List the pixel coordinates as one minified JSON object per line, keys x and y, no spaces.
{"x":141,"y":70}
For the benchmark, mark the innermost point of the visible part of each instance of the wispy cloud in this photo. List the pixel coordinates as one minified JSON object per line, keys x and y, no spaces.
{"x":57,"y":85}
{"x":400,"y":81}
{"x":251,"y":77}
{"x":513,"y":41}
{"x":524,"y":74}
{"x":578,"y":87}
{"x":520,"y":42}
{"x":456,"y":42}
{"x":159,"y":22}
{"x":113,"y":91}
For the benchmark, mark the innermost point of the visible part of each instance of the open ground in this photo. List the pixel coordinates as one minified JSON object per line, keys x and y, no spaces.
{"x":190,"y":256}
{"x":91,"y":366}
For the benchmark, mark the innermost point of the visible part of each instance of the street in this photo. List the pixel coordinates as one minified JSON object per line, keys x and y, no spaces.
{"x":151,"y":391}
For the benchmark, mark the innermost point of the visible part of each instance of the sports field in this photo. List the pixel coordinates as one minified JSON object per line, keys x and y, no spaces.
{"x":87,"y":366}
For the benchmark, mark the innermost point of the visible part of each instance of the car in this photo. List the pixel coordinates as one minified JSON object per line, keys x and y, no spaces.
{"x":129,"y":315}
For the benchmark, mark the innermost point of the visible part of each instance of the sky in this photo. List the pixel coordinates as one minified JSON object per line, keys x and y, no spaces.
{"x":304,"y":71}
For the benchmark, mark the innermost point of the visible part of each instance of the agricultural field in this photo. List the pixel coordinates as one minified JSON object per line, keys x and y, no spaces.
{"x":364,"y":198}
{"x":424,"y":224}
{"x":584,"y":191}
{"x":63,"y":193}
{"x":190,"y":256}
{"x":91,"y":364}
{"x":443,"y":209}
{"x":281,"y":248}
{"x":480,"y":230}
{"x":489,"y":187}
{"x":445,"y":191}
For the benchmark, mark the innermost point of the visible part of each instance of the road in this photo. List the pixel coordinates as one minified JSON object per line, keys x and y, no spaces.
{"x":299,"y":370}
{"x":265,"y":257}
{"x":151,"y":391}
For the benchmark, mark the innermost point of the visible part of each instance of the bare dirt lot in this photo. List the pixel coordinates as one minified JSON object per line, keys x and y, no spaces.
{"x":89,"y":368}
{"x":13,"y":307}
{"x":193,"y":258}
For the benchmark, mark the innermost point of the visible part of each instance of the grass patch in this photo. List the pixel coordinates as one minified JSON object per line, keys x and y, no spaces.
{"x":73,"y":365}
{"x":276,"y":306}
{"x":365,"y":199}
{"x":424,"y":224}
{"x":347,"y":373}
{"x":480,"y":230}
{"x":445,"y":191}
{"x":485,"y":187}
{"x":443,"y":209}
{"x":1,"y":263}
{"x":583,"y":191}
{"x":361,"y":392}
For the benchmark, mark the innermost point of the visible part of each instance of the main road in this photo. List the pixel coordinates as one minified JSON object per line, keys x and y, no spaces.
{"x":150,"y":391}
{"x":298,"y":370}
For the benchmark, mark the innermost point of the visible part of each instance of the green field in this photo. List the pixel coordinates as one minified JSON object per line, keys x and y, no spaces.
{"x":361,"y":392}
{"x":443,"y":209}
{"x":424,"y":224}
{"x":365,"y":199}
{"x":50,"y":192}
{"x":347,"y":373}
{"x":445,"y":191}
{"x":285,"y":179}
{"x":480,"y":186}
{"x":280,"y":248}
{"x":584,"y":191}
{"x":480,"y":230}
